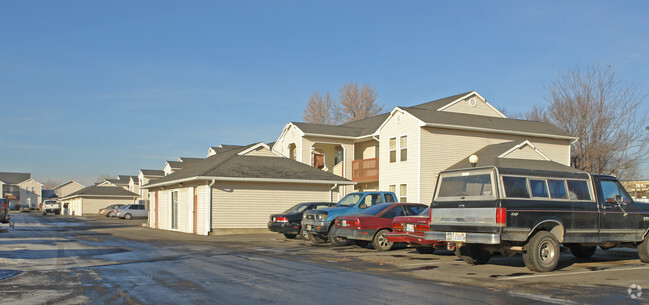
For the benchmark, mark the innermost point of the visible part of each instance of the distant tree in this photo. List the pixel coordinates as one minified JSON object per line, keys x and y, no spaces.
{"x":320,"y":109}
{"x":605,"y":114}
{"x":357,"y":103}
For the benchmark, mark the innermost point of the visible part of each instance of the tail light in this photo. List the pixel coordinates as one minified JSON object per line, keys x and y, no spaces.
{"x":281,"y":219}
{"x":422,"y":227}
{"x":397,"y":226}
{"x":352,"y":223}
{"x":501,"y":216}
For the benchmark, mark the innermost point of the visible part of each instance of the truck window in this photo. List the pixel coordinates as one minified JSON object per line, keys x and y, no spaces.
{"x":611,"y":188}
{"x":578,"y":190}
{"x":516,"y":187}
{"x":389,"y":198}
{"x":539,"y":188}
{"x":557,"y":189}
{"x":466,"y":186}
{"x":372,"y":199}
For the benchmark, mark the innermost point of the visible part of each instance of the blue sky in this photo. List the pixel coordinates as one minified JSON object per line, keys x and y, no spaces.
{"x":90,"y":88}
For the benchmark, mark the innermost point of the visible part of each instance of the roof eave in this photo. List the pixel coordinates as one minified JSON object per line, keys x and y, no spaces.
{"x":236,"y":179}
{"x":501,"y":131}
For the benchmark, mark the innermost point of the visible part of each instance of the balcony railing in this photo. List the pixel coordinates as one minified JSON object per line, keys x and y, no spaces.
{"x":365,"y":170}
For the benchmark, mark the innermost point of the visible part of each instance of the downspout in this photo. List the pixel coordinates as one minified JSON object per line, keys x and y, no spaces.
{"x":331,"y":194}
{"x":208,"y":226}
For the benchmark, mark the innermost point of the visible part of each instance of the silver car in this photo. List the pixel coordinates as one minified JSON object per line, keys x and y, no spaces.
{"x":132,"y":211}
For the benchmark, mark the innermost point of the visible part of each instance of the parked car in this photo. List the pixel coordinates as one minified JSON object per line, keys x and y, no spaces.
{"x":5,"y":215}
{"x":132,"y":211}
{"x":410,"y":230}
{"x":110,"y":210}
{"x":289,"y":223}
{"x":371,"y":225}
{"x":532,"y":211}
{"x":51,"y":206}
{"x":318,"y":223}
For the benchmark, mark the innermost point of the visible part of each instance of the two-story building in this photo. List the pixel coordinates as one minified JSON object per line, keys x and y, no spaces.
{"x":20,"y":190}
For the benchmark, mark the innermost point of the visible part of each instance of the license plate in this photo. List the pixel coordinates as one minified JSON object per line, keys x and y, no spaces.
{"x":455,"y":236}
{"x":309,"y":227}
{"x":410,"y":227}
{"x":344,"y":223}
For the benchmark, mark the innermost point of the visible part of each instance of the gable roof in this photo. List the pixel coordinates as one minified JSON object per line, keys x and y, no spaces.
{"x":14,"y":178}
{"x":230,"y":165}
{"x":66,"y":183}
{"x":443,"y":102}
{"x":101,"y":191}
{"x":175,"y":164}
{"x":152,"y":172}
{"x":490,"y":155}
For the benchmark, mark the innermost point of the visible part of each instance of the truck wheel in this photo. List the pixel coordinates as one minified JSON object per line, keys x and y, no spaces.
{"x":541,"y":253}
{"x":425,"y":250}
{"x":643,"y":250}
{"x":380,"y":243}
{"x":337,"y":241}
{"x":317,"y":239}
{"x":582,"y":251}
{"x":473,"y":254}
{"x":290,"y":236}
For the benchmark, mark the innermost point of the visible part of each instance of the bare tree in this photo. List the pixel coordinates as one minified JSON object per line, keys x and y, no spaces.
{"x":357,"y":103}
{"x":320,"y":109}
{"x":605,"y":114}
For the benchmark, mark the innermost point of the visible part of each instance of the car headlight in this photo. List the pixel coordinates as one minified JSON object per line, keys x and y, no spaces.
{"x":320,"y":216}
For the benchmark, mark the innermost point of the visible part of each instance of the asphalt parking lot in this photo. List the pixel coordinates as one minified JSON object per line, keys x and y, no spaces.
{"x":610,"y":276}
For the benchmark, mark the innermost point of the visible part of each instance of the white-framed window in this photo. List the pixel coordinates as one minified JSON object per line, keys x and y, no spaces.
{"x":403,"y":148}
{"x":393,"y":150}
{"x":403,"y":193}
{"x":393,"y":188}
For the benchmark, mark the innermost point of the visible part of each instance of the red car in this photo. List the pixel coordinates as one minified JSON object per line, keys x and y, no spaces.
{"x":410,"y":230}
{"x":371,"y":225}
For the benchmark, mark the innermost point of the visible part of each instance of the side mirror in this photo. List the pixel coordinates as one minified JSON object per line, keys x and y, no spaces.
{"x":362,"y":206}
{"x":618,"y":198}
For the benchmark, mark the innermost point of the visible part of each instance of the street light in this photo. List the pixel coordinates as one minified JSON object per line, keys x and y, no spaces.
{"x":473,"y":159}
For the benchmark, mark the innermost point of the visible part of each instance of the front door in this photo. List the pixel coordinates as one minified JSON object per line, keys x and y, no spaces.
{"x":618,"y":222}
{"x":318,"y":161}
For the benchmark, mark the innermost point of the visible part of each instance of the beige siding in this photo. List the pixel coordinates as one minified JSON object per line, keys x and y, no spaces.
{"x":30,"y":193}
{"x":525,"y":152}
{"x":292,"y":136}
{"x":262,"y":152}
{"x":400,"y":172}
{"x":481,"y":107}
{"x":248,"y":205}
{"x":442,"y":148}
{"x":68,"y":189}
{"x":75,"y":207}
{"x":90,"y":206}
{"x":366,"y":150}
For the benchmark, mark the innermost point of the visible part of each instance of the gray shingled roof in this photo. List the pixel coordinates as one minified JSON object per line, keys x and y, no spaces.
{"x":176,"y":164}
{"x":14,"y":178}
{"x":108,"y":191}
{"x":227,"y":164}
{"x":436,"y":104}
{"x":152,"y":172}
{"x":488,"y":156}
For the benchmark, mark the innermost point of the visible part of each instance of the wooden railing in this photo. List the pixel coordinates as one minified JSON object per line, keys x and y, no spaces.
{"x":365,"y":170}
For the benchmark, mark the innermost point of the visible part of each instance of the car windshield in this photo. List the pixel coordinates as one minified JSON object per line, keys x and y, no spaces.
{"x":375,"y":209}
{"x":466,"y":185}
{"x":426,"y":212}
{"x":298,"y":208}
{"x":350,"y":200}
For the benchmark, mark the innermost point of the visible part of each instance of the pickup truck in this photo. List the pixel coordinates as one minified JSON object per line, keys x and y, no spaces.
{"x":51,"y":206}
{"x":532,"y":212}
{"x":318,"y":223}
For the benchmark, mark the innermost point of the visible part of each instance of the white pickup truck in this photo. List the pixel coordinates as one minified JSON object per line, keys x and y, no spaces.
{"x":51,"y":206}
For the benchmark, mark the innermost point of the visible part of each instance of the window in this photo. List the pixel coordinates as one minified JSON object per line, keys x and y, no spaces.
{"x":578,"y":190}
{"x":390,"y":198}
{"x":174,"y":209}
{"x":610,"y":189}
{"x":557,"y":189}
{"x":393,"y":150}
{"x":393,"y":212}
{"x":403,"y":146}
{"x":415,"y":209}
{"x":516,"y":187}
{"x":539,"y":188}
{"x":403,"y":193}
{"x":372,"y":199}
{"x":466,"y":184}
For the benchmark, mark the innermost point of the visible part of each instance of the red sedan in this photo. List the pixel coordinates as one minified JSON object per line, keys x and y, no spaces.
{"x":371,"y":225}
{"x":410,"y":230}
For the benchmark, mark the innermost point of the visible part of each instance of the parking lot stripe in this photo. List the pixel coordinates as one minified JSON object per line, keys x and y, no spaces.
{"x":568,"y":273}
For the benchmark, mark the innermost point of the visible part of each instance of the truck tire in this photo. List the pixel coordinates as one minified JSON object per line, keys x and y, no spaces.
{"x":335,"y":240}
{"x":317,"y":239}
{"x":643,"y":250}
{"x":473,"y":254}
{"x":582,"y":251}
{"x":541,"y":253}
{"x":380,"y":243}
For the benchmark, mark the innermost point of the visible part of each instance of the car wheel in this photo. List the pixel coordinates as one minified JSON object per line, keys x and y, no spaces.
{"x":425,"y":250}
{"x":337,"y":241}
{"x":361,"y":243}
{"x":582,"y":251}
{"x":128,"y":216}
{"x":290,"y":236}
{"x":541,"y":253}
{"x":317,"y":239}
{"x":473,"y":254}
{"x":380,"y":243}
{"x":643,"y":250}
{"x":304,"y":234}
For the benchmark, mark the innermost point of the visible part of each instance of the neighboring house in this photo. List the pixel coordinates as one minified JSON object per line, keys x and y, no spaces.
{"x":89,"y":200}
{"x":20,"y":190}
{"x":121,"y":181}
{"x":172,"y":167}
{"x":638,"y":189}
{"x":404,"y":150}
{"x":234,"y":190}
{"x":145,"y":176}
{"x":67,"y":188}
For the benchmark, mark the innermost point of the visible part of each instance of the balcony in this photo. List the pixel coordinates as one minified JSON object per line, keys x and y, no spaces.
{"x":365,"y":170}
